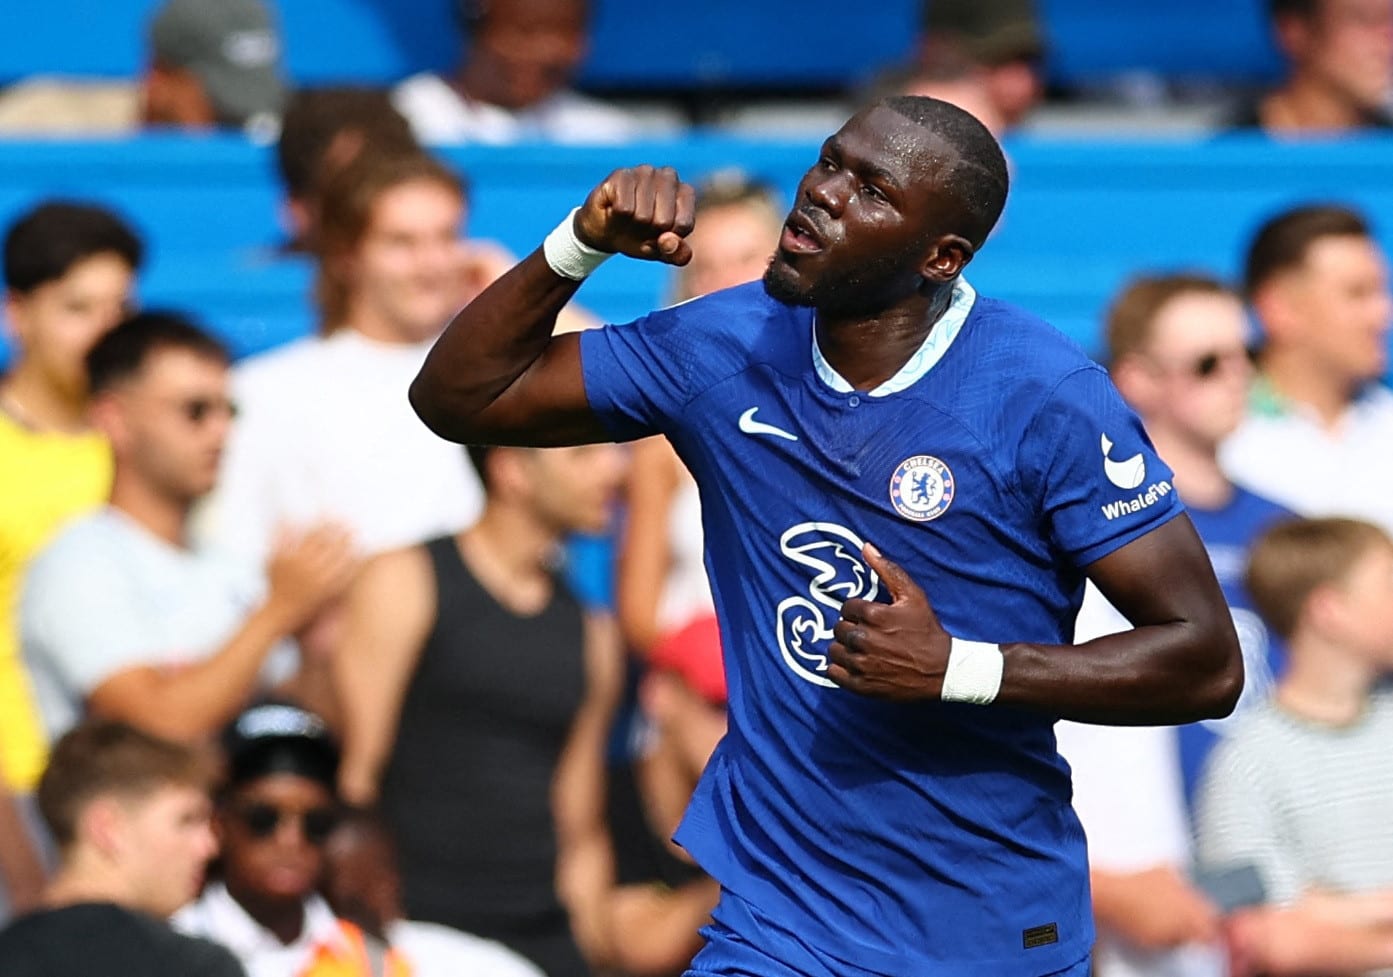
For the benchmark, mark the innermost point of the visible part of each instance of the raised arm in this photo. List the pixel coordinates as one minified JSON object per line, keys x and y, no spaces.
{"x":497,"y":375}
{"x":1180,"y":663}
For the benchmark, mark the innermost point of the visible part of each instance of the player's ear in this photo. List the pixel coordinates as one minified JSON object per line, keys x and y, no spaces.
{"x":946,"y":259}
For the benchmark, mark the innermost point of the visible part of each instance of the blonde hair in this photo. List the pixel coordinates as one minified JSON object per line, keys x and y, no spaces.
{"x":1296,"y":557}
{"x":344,"y":207}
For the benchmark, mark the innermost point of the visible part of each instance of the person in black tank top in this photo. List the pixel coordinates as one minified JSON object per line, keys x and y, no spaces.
{"x":477,"y":697}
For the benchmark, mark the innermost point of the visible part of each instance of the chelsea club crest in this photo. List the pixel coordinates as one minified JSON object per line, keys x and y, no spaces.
{"x":922,"y":488}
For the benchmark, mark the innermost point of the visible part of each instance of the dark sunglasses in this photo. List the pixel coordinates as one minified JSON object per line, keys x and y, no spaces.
{"x":1204,"y":367}
{"x":196,"y":410}
{"x":263,"y":820}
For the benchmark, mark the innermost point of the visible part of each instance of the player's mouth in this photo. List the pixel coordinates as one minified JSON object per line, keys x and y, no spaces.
{"x":799,"y":236}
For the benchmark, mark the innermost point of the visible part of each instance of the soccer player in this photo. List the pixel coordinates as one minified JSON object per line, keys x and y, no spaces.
{"x":904,"y":486}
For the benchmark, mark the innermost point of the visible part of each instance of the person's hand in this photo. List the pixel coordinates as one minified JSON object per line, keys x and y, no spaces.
{"x":308,"y":570}
{"x":894,"y":651}
{"x":1157,"y":909}
{"x":643,"y":212}
{"x":481,"y":263}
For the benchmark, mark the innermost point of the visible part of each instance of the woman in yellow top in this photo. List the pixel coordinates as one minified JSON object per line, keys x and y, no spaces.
{"x":69,"y":272}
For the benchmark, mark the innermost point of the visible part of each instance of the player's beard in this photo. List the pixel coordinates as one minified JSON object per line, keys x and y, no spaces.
{"x":865,"y":289}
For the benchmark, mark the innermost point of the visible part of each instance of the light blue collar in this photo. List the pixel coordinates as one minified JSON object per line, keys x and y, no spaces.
{"x":928,"y":354}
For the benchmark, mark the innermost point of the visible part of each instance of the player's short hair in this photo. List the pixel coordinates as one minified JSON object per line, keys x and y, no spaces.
{"x":45,"y":243}
{"x":345,"y":203}
{"x":316,"y":117}
{"x":1283,"y":242}
{"x":977,"y":180}
{"x":473,"y":14}
{"x":123,"y":352}
{"x":1294,"y":558}
{"x":104,"y":758}
{"x":1134,"y":310}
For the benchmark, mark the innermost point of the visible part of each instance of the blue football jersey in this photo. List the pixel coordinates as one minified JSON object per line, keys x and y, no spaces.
{"x":854,"y":835}
{"x":1228,"y":534}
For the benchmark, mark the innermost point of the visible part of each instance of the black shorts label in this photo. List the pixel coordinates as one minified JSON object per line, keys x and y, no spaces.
{"x":1040,"y":936}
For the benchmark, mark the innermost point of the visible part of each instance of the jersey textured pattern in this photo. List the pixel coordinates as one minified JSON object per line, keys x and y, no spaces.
{"x":853,"y":835}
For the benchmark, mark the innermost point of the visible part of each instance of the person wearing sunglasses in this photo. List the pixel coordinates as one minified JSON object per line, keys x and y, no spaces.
{"x":1177,"y":349}
{"x":273,"y":817}
{"x":126,"y":615}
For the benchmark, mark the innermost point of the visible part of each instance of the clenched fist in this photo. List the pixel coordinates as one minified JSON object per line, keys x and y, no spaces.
{"x":643,"y":212}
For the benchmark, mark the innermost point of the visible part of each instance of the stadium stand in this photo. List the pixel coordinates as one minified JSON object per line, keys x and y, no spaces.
{"x":1082,"y":216}
{"x":725,"y":43}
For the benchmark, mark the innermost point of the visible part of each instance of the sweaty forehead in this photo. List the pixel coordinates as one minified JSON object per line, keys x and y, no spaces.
{"x":911,"y":152}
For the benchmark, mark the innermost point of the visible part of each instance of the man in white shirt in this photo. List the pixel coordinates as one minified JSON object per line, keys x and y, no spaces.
{"x":121,"y":615}
{"x":519,"y":58}
{"x":1319,"y":425}
{"x":326,"y":431}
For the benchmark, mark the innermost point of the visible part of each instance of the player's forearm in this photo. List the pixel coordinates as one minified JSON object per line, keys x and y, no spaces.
{"x":1158,"y":675}
{"x":487,"y":346}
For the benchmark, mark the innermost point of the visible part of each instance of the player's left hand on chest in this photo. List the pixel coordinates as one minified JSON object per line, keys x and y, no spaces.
{"x":895,"y":651}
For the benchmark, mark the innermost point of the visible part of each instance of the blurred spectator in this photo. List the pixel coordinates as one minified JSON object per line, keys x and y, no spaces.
{"x":363,"y":885}
{"x":519,"y":59}
{"x":130,"y":815}
{"x":69,"y":274}
{"x":1177,"y":349}
{"x":1319,"y":286}
{"x":1004,"y":38}
{"x":326,"y":431}
{"x":1302,"y":790}
{"x":121,"y":615}
{"x":324,"y":130}
{"x":1340,"y":56}
{"x":944,"y":71}
{"x":469,"y":648}
{"x":211,"y":64}
{"x":274,"y":814}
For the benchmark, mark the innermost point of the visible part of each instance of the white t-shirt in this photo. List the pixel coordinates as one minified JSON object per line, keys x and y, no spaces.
{"x":218,"y":917}
{"x":441,"y":951}
{"x":686,"y":592}
{"x":107,"y":595}
{"x":439,"y":114}
{"x":1284,"y":451}
{"x":326,"y":432}
{"x":1130,"y":797}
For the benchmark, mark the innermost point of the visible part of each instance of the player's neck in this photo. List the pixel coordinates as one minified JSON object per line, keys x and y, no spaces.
{"x":33,"y":403}
{"x":155,"y":511}
{"x":1324,"y":683}
{"x":511,"y":554}
{"x":868,"y":350}
{"x":1195,"y":462}
{"x":285,"y":918}
{"x":1297,"y":376}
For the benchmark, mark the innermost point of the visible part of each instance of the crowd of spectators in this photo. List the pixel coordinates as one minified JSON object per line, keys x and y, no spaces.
{"x":290,"y":687}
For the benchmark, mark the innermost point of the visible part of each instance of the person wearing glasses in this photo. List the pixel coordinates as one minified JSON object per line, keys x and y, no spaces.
{"x":273,"y":816}
{"x":123,"y":615}
{"x":1177,"y":349}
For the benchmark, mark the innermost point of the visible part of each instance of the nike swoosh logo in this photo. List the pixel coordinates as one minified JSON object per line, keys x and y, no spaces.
{"x":749,"y":425}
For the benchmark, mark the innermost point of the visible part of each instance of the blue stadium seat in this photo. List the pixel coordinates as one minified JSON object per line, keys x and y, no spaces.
{"x":639,"y":45}
{"x":1082,"y":217}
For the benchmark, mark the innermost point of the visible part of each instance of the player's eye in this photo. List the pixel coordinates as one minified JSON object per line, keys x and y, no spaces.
{"x":872,"y":192}
{"x":826,"y":164}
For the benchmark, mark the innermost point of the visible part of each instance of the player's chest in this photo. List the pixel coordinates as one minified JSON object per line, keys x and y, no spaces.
{"x":777,"y":447}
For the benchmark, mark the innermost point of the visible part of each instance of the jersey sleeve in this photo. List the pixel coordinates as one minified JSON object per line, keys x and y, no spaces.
{"x":639,"y":376}
{"x":1086,"y":461}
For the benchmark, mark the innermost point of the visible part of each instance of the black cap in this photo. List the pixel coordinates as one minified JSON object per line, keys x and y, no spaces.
{"x":278,"y":738}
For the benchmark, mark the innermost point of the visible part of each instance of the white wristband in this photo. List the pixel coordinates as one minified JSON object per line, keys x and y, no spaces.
{"x":974,"y":672}
{"x":568,"y":256}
